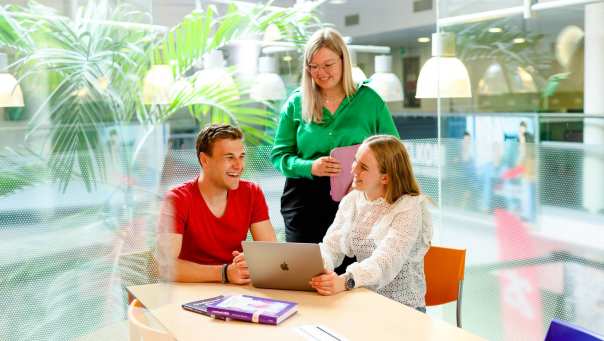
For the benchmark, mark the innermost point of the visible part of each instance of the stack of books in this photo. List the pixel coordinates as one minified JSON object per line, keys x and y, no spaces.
{"x":245,"y":308}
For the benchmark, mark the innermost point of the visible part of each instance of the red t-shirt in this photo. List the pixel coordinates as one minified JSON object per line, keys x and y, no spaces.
{"x":207,"y":239}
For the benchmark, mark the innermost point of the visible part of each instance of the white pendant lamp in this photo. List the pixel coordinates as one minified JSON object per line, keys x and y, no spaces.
{"x":384,"y":82}
{"x":271,"y":34}
{"x":214,"y":75}
{"x":157,"y":86}
{"x":522,"y":81}
{"x":443,"y":75}
{"x":10,"y":91}
{"x":268,"y":86}
{"x":496,"y":82}
{"x":493,"y":81}
{"x":357,"y":74}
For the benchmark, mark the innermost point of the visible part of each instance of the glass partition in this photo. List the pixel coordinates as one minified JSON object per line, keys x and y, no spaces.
{"x":515,"y":171}
{"x":520,"y":190}
{"x":102,"y":123}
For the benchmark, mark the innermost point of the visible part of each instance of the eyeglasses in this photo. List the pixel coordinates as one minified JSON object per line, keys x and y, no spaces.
{"x":327,"y":67}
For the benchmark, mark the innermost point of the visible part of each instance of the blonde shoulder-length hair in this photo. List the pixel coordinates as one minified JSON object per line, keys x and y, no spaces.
{"x":312,"y":104}
{"x":393,"y":161}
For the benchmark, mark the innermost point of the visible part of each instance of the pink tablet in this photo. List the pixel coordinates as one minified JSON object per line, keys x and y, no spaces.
{"x":341,"y":182}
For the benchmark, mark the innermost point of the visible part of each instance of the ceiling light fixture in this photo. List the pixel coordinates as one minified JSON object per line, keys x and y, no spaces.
{"x":423,"y":40}
{"x":443,"y":75}
{"x":157,"y":86}
{"x":268,"y":86}
{"x":271,"y":34}
{"x":519,"y":41}
{"x":10,"y":91}
{"x":214,"y":74}
{"x":499,"y":80}
{"x":357,"y":73}
{"x":384,"y":82}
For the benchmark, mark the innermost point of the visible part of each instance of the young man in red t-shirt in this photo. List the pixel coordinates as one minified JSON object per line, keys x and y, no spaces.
{"x":203,"y":221}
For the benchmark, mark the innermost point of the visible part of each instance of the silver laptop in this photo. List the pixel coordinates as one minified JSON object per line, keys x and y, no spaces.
{"x":275,"y":265}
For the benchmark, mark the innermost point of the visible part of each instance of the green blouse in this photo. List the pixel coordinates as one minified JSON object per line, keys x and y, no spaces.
{"x":298,"y":143}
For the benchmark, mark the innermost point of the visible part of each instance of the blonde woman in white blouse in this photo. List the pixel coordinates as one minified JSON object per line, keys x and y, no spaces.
{"x":385,"y":223}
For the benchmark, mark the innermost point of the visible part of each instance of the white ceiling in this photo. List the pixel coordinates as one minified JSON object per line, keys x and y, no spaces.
{"x":382,"y":22}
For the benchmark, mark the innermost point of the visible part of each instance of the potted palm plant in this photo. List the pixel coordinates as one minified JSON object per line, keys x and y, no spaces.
{"x":84,"y":77}
{"x":95,"y":65}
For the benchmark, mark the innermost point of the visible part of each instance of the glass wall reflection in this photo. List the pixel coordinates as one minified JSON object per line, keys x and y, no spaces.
{"x":517,"y":168}
{"x":524,"y":177}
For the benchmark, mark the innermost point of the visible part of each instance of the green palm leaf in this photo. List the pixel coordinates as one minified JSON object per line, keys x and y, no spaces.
{"x":20,"y":168}
{"x":95,"y":72}
{"x":97,"y":68}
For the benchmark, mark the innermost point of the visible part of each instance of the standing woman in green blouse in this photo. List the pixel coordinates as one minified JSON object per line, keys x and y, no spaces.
{"x":328,"y":111}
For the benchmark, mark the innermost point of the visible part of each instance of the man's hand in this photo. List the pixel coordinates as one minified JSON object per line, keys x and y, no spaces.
{"x":328,"y":283}
{"x":237,"y":271}
{"x":326,"y":166}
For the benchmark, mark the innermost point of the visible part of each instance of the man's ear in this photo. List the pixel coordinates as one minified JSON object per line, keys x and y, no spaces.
{"x":203,"y":159}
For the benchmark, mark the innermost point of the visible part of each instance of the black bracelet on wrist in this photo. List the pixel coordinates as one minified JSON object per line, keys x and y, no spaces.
{"x":225,"y":274}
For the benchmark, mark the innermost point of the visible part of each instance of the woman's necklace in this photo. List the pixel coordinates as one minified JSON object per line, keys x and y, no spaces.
{"x":333,"y":100}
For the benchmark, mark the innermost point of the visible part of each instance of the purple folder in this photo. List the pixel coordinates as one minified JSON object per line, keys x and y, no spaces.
{"x":253,"y":309}
{"x":341,"y":182}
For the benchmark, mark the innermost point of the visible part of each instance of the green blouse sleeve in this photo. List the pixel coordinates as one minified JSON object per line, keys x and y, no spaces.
{"x":284,"y":153}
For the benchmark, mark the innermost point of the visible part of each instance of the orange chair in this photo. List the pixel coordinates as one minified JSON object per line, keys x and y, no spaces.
{"x":444,"y":269}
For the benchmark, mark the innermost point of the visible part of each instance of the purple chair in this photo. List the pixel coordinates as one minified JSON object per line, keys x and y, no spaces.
{"x":564,"y":331}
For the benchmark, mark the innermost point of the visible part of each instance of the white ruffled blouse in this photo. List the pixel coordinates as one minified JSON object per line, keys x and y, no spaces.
{"x":389,"y":241}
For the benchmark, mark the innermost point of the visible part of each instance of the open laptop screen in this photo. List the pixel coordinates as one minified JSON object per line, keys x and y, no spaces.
{"x":275,"y":265}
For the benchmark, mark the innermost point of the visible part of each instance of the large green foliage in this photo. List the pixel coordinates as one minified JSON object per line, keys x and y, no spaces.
{"x":94,"y":65}
{"x":81,"y":76}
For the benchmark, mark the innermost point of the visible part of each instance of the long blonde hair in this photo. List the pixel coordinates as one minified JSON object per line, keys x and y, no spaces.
{"x":312,"y":104}
{"x":394,"y":161}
